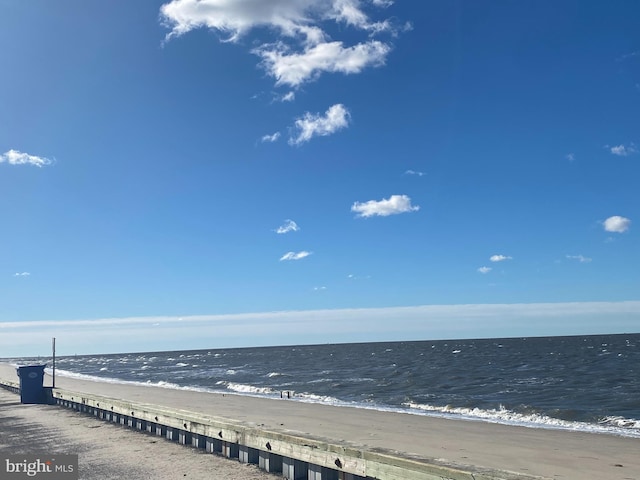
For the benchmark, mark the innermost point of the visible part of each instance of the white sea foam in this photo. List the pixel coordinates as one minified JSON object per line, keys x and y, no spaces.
{"x":621,"y":422}
{"x":148,"y":383}
{"x":312,"y":398}
{"x":250,"y":389}
{"x":612,"y":425}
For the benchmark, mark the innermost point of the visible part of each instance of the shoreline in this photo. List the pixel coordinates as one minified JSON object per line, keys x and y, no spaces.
{"x":486,"y":416}
{"x":531,"y":451}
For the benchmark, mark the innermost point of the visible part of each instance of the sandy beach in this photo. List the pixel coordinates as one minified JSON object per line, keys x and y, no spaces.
{"x":546,"y":453}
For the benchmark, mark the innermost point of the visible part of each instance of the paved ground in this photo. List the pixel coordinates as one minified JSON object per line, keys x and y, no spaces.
{"x":107,"y":451}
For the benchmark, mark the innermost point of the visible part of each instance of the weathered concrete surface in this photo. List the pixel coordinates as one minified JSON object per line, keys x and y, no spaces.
{"x":107,"y":451}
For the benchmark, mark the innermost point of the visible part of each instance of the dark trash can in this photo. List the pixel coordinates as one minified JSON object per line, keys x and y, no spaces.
{"x":32,"y":384}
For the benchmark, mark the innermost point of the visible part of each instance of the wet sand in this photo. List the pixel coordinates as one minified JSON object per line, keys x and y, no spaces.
{"x":555,"y":454}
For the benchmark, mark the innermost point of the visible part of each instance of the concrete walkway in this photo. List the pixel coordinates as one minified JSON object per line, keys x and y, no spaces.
{"x":107,"y":451}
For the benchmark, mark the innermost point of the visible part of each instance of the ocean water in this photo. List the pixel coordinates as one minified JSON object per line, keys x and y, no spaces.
{"x":586,"y":383}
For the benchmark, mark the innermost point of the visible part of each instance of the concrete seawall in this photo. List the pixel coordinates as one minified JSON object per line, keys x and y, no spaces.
{"x":291,"y":456}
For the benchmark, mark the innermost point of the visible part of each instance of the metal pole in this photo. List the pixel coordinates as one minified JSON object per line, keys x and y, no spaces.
{"x":54,"y":362}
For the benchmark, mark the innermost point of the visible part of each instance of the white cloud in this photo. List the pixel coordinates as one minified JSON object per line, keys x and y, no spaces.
{"x":623,"y":151}
{"x":617,"y":224}
{"x":21,"y":274}
{"x":301,"y":50}
{"x":319,"y":289}
{"x":14,"y":157}
{"x":295,"y":255}
{"x":500,"y":258}
{"x":413,"y":172}
{"x":580,"y":258}
{"x":271,"y":138}
{"x":628,"y":55}
{"x":288,"y":226}
{"x":310,"y":125}
{"x":294,"y":69}
{"x":570,"y":156}
{"x":290,"y":17}
{"x":288,"y":97}
{"x":393,"y":205}
{"x":484,"y":269}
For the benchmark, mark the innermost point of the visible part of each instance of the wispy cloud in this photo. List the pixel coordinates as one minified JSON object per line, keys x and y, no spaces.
{"x":627,"y":56}
{"x":301,"y":49}
{"x":288,"y":226}
{"x":623,"y":150}
{"x":570,"y":156}
{"x":319,"y":289}
{"x":288,"y":97}
{"x":271,"y":138}
{"x":579,"y":258}
{"x":295,"y":255}
{"x":21,"y":274}
{"x":393,"y":205}
{"x":15,"y":157}
{"x":500,"y":258}
{"x":484,"y":270}
{"x":135,"y":334}
{"x":312,"y":125}
{"x":413,"y":172}
{"x":616,"y":224}
{"x":351,"y":276}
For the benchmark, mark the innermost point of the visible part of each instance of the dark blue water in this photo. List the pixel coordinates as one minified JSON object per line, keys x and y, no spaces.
{"x":589,"y":383}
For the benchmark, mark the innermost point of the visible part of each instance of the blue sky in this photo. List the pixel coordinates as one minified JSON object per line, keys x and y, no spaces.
{"x":200,"y":174}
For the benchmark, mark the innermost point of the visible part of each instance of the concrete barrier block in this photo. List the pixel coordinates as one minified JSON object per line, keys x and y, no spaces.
{"x":198,"y":441}
{"x":247,"y":454}
{"x":184,"y":437}
{"x":230,"y":450}
{"x":349,"y":476}
{"x":316,"y":472}
{"x":293,"y":469}
{"x":270,"y":462}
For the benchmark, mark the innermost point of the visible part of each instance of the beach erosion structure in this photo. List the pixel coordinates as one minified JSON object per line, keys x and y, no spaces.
{"x":289,"y":455}
{"x":299,"y":440}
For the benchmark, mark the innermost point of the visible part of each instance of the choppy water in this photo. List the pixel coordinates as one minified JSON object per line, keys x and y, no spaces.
{"x":589,"y":383}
